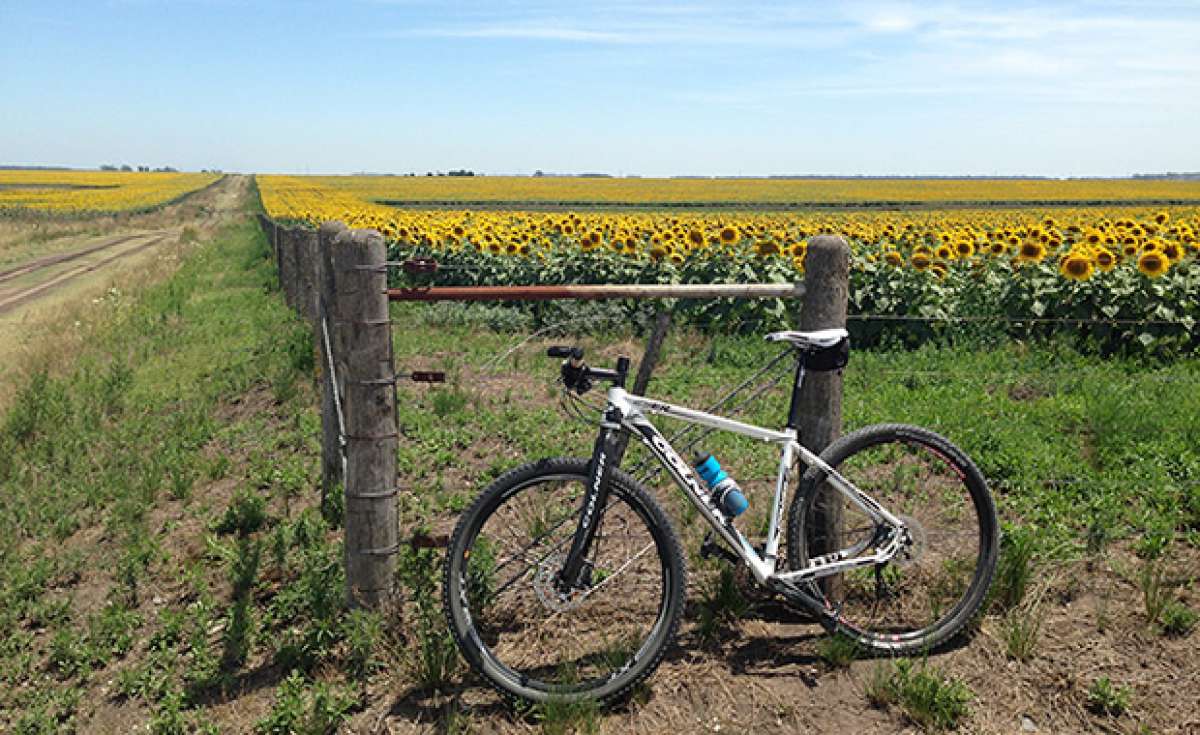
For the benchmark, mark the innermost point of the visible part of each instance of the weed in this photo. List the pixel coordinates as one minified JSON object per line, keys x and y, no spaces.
{"x":435,"y":658}
{"x":1152,"y":582}
{"x":169,"y":717}
{"x":559,"y":716}
{"x":1155,"y":539}
{"x":447,"y":401}
{"x":839,"y":650}
{"x":1177,"y":619}
{"x":362,"y":631}
{"x":926,"y":696}
{"x":1013,"y":570}
{"x":247,"y":513}
{"x":1103,"y":698}
{"x":304,"y":709}
{"x":721,"y":604}
{"x":1020,"y":629}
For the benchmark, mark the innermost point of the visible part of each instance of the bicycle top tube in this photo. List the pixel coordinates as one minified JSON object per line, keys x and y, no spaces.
{"x":632,"y":407}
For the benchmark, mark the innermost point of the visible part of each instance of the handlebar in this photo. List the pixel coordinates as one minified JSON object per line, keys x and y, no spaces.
{"x":577,"y":376}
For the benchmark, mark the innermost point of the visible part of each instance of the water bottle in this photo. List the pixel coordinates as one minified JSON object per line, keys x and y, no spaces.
{"x":726,"y":494}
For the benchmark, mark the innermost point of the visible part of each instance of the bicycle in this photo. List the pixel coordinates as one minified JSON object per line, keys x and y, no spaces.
{"x":565,"y":580}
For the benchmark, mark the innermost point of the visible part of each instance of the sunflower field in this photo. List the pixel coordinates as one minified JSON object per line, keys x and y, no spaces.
{"x":1112,"y":276}
{"x":80,"y":192}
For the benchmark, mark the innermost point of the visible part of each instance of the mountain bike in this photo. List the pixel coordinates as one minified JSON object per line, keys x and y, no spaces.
{"x":565,"y":580}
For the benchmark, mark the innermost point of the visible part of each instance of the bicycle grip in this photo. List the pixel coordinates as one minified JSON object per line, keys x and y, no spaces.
{"x":564,"y":351}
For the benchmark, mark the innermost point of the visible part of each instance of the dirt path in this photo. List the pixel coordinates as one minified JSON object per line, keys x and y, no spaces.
{"x":72,"y":258}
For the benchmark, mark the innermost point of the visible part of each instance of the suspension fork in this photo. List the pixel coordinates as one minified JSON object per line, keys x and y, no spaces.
{"x":576,"y":571}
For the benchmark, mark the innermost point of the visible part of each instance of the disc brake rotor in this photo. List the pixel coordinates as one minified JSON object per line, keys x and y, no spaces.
{"x":547,"y":593}
{"x":915,"y":549}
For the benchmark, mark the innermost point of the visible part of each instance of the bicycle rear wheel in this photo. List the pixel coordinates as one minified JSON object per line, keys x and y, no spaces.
{"x":926,"y":594}
{"x":510,"y":622}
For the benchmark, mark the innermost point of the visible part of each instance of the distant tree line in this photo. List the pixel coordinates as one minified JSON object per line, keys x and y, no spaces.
{"x":143,"y":169}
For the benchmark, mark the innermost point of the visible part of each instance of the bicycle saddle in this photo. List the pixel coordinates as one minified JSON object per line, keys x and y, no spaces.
{"x":817,"y":340}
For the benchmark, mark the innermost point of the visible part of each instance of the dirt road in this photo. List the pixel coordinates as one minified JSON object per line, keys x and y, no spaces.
{"x":70,"y":259}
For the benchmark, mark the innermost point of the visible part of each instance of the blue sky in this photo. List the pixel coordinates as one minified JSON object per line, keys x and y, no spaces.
{"x":693,"y":87}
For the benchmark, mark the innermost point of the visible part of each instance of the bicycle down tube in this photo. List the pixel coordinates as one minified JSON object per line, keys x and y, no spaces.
{"x":630,"y":412}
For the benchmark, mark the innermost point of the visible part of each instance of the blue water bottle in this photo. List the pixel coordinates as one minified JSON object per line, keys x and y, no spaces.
{"x":726,"y":494}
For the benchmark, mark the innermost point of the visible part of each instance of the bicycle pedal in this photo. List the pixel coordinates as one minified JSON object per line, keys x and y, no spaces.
{"x":710,"y":548}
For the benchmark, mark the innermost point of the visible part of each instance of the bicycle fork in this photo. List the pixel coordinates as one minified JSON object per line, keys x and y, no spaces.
{"x":577,"y":569}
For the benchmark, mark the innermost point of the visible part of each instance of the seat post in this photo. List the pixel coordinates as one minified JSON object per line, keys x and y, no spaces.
{"x":793,"y":421}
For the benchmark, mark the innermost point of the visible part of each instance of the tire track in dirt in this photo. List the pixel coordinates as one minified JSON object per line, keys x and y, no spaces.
{"x":12,"y":301}
{"x":49,"y":260}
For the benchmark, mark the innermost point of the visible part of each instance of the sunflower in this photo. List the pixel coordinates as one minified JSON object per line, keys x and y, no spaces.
{"x":939,"y":268}
{"x":1173,"y":252}
{"x":1105,"y":260}
{"x":1162,"y":217}
{"x":695,"y":237}
{"x":1153,"y":264}
{"x":1031,"y":251}
{"x":944,"y":252}
{"x":728,"y":235}
{"x":766,"y":247}
{"x":965,"y":248}
{"x":1076,"y":266}
{"x":893,"y":258}
{"x":921,"y":260}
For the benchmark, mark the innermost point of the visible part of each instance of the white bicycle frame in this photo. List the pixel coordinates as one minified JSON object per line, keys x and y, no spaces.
{"x":633,"y":411}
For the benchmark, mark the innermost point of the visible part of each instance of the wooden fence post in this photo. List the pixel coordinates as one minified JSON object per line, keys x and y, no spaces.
{"x":826,"y":293}
{"x":325,"y":332}
{"x":273,"y":237}
{"x":372,"y":528}
{"x":306,"y":256}
{"x":291,"y":261}
{"x":662,"y":322}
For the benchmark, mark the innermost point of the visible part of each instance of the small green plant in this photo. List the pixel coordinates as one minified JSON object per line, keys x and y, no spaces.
{"x":1155,"y":595}
{"x":1014,"y":570}
{"x":1104,"y":698}
{"x":926,"y":696}
{"x":559,"y":716}
{"x":1177,"y":619}
{"x":838,"y":650}
{"x":362,"y":631}
{"x":447,"y":401}
{"x":721,"y":604}
{"x":1020,"y":629}
{"x":300,"y":708}
{"x":435,"y":655}
{"x":1155,"y":539}
{"x":247,"y":512}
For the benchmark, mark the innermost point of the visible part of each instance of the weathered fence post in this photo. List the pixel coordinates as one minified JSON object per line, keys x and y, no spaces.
{"x":289,"y":245}
{"x":361,"y":306}
{"x":826,"y":293}
{"x":308,"y":267}
{"x":662,"y":322}
{"x":332,"y":457}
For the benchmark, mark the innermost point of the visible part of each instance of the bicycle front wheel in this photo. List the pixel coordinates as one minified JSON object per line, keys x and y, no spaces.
{"x":929,"y":591}
{"x":511,"y":623}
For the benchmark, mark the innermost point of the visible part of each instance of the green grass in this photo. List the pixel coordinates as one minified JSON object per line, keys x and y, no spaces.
{"x":204,"y":385}
{"x":924,"y":694}
{"x":1106,"y":698}
{"x":1079,"y":450}
{"x":103,"y":463}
